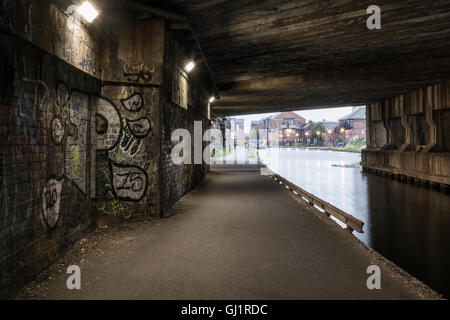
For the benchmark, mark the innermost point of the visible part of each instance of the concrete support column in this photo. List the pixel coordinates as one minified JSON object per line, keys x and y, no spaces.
{"x":129,"y":165}
{"x":370,"y":143}
{"x":386,"y":125}
{"x":408,"y":137}
{"x":432,"y":91}
{"x":431,"y":165}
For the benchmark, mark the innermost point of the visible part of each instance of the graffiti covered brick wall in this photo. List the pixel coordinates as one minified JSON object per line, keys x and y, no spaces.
{"x":70,"y":149}
{"x":58,"y":34}
{"x":45,"y":143}
{"x":78,"y":141}
{"x":127,"y":162}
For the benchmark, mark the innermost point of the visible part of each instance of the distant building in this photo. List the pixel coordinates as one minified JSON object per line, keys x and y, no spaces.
{"x":308,"y":137}
{"x":223,"y":124}
{"x":305,"y":132}
{"x":280,"y":121}
{"x":284,"y":127}
{"x":237,"y":131}
{"x":331,"y":133}
{"x":353,"y":126}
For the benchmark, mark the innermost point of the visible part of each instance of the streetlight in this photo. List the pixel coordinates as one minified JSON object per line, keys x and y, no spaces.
{"x":343,"y":133}
{"x":318,"y":137}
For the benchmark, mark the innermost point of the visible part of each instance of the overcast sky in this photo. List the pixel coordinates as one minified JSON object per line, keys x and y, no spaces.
{"x":314,"y":115}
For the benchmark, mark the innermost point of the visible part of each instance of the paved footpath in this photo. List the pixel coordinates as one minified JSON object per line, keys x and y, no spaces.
{"x":238,"y":236}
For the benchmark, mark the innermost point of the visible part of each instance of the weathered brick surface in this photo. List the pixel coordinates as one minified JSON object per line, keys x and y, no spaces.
{"x":177,"y":180}
{"x":72,"y":147}
{"x":184,"y":100}
{"x":70,"y":150}
{"x":30,"y":159}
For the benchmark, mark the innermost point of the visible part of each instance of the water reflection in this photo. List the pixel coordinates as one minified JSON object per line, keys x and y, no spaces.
{"x":407,"y":224}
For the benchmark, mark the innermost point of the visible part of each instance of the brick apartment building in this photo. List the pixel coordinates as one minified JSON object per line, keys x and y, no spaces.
{"x":288,"y":128}
{"x":285,"y":127}
{"x":353,"y":126}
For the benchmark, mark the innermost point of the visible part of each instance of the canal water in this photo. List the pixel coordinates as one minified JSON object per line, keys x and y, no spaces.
{"x":407,"y":224}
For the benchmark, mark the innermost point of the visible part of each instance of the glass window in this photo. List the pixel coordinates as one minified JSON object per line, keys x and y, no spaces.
{"x":289,"y":121}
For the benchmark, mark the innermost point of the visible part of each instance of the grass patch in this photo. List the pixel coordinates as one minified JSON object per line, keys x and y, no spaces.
{"x":253,"y":153}
{"x":222,"y":153}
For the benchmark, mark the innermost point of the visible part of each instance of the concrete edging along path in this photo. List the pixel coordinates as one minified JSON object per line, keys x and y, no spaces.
{"x":237,"y":236}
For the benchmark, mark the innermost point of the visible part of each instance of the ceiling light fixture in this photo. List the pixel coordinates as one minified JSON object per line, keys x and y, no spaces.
{"x":189,"y":67}
{"x":88,"y":11}
{"x":212,"y":99}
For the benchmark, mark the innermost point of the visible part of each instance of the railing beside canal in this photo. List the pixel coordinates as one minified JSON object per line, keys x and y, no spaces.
{"x":352,"y":223}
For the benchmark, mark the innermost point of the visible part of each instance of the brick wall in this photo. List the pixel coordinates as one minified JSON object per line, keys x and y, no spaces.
{"x":184,"y":100}
{"x":45,"y":177}
{"x":74,"y":147}
{"x":177,"y":180}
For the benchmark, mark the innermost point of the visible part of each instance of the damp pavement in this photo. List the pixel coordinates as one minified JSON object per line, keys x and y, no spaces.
{"x":238,"y":236}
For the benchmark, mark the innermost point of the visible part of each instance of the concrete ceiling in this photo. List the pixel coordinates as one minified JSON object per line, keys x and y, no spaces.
{"x":272,"y":55}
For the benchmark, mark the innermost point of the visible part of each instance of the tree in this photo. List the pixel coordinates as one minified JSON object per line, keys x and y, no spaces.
{"x":317,"y":131}
{"x":318,"y":127}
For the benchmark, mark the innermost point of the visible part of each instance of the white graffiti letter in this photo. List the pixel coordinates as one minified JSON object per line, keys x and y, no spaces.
{"x":374,"y":281}
{"x":75,"y":17}
{"x":374,"y":21}
{"x":181,"y":153}
{"x":108,"y":139}
{"x":74,"y":281}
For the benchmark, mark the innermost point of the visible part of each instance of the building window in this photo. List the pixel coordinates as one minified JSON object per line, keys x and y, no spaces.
{"x":289,"y":121}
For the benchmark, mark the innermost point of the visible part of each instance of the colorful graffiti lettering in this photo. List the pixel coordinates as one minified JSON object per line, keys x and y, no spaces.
{"x":24,"y":126}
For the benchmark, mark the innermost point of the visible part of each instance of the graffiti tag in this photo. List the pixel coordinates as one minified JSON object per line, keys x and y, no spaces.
{"x":51,"y":202}
{"x":129,"y":182}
